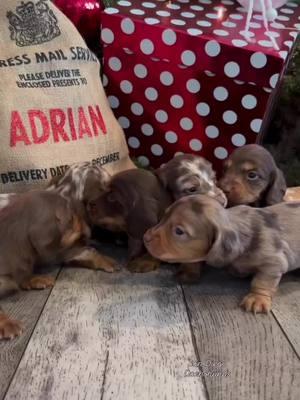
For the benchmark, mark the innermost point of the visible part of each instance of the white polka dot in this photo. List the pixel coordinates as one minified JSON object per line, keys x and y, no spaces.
{"x":203,"y":23}
{"x":173,"y":6}
{"x":265,"y":43}
{"x":255,"y":25}
{"x":152,"y":21}
{"x":107,"y":35}
{"x":283,"y":18}
{"x":176,"y":101}
{"x":276,"y":25}
{"x":247,"y":34}
{"x":136,"y":11}
{"x":195,"y":145}
{"x":169,"y":37}
{"x":171,"y":137}
{"x":134,"y":142}
{"x":231,"y":69}
{"x":212,"y":16}
{"x":209,"y":73}
{"x":239,"y":43}
{"x":286,"y":11}
{"x":124,"y":122}
{"x":104,"y":80}
{"x":229,"y":117}
{"x":128,"y":51}
{"x":124,"y":3}
{"x":137,"y":108}
{"x":113,"y":101}
{"x":291,"y":4}
{"x":227,"y":2}
{"x":283,"y":54}
{"x":114,"y":64}
{"x":178,"y":153}
{"x":147,"y":46}
{"x":220,"y":93}
{"x":289,"y":43}
{"x":236,"y":16}
{"x":126,"y":87}
{"x":144,"y":161}
{"x":186,"y":123}
{"x":258,"y":60}
{"x":111,"y":10}
{"x":148,"y":4}
{"x":238,"y":139}
{"x":147,"y":129}
{"x":297,"y":26}
{"x":197,"y":8}
{"x":202,"y":109}
{"x":229,"y":24}
{"x":220,"y":32}
{"x":212,"y":48}
{"x":157,"y":150}
{"x":239,"y":82}
{"x":212,"y":131}
{"x":273,"y":80}
{"x":188,"y":15}
{"x":205,"y":1}
{"x":272,"y":34}
{"x":151,"y":94}
{"x":193,"y":86}
{"x":163,"y":13}
{"x":294,"y":34}
{"x":194,"y":32}
{"x":166,"y":78}
{"x":249,"y":101}
{"x":127,"y":26}
{"x":221,"y":153}
{"x":178,"y":22}
{"x":255,"y":125}
{"x":140,"y":71}
{"x":161,"y":116}
{"x":188,"y":57}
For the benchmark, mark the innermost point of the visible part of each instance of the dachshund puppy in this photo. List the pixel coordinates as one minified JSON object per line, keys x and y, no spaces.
{"x":36,"y":228}
{"x":184,"y":175}
{"x":263,"y":242}
{"x":133,"y":202}
{"x":189,"y":174}
{"x":251,"y":177}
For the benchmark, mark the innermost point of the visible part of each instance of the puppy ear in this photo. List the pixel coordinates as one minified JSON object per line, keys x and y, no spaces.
{"x":141,"y":217}
{"x":162,"y":174}
{"x":226,"y":242}
{"x":276,"y":191}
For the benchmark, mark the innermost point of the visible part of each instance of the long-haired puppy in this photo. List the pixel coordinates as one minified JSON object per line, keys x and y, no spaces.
{"x":251,"y":177}
{"x":36,"y":228}
{"x":82,"y":182}
{"x":262,"y":242}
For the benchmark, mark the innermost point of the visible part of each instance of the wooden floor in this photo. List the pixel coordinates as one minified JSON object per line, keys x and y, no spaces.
{"x":142,"y":336}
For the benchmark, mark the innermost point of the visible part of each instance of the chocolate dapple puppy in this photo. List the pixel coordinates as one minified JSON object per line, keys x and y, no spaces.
{"x":133,"y":202}
{"x":251,"y":177}
{"x":35,"y":228}
{"x":184,"y":175}
{"x":263,"y":242}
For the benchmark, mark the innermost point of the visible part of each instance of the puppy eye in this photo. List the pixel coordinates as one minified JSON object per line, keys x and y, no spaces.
{"x":192,"y":189}
{"x":252,"y":175}
{"x":179,"y":231}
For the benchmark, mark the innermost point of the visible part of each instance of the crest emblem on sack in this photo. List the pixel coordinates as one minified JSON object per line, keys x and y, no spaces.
{"x":33,"y":23}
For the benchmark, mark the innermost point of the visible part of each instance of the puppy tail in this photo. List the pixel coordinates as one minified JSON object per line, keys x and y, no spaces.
{"x":7,"y":286}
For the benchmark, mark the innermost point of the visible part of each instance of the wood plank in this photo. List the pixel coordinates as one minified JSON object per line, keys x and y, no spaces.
{"x":110,"y":336}
{"x":242,"y":356}
{"x":26,"y":307}
{"x":286,"y":309}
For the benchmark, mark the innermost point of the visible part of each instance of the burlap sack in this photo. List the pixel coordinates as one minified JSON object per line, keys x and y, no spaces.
{"x":53,"y":109}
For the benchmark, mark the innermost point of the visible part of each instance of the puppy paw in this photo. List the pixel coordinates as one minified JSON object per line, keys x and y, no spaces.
{"x":108,"y":264}
{"x":9,"y":328}
{"x":256,"y":303}
{"x":38,"y":283}
{"x":189,"y":273}
{"x":143,"y":264}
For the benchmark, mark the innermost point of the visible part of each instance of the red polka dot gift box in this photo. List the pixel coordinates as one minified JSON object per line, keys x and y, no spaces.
{"x":183,"y":76}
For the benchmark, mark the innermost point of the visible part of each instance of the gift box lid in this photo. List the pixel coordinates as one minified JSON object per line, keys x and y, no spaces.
{"x":205,"y":35}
